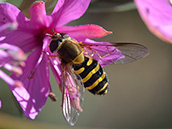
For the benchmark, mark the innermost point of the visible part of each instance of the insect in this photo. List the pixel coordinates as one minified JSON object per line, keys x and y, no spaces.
{"x":81,"y":65}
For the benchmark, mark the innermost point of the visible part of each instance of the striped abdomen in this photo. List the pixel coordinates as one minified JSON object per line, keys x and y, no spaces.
{"x":93,"y":76}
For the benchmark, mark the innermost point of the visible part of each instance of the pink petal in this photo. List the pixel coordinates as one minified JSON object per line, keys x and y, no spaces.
{"x":84,"y":31}
{"x":157,"y":16}
{"x":38,"y":14}
{"x":36,"y":84}
{"x":9,"y":26}
{"x":9,"y":14}
{"x":109,"y":54}
{"x":21,"y":38}
{"x":24,"y":35}
{"x":68,"y":10}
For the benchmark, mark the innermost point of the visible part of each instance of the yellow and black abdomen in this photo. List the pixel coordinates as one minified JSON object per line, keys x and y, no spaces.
{"x":93,"y":76}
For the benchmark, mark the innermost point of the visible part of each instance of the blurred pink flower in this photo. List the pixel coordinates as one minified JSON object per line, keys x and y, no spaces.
{"x":157,"y":16}
{"x":0,"y":104}
{"x":31,"y":36}
{"x":11,"y":58}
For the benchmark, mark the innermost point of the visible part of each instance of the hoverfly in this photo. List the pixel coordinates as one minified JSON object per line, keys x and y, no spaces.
{"x":82,"y":64}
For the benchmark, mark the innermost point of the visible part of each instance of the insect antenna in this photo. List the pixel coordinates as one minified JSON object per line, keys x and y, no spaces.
{"x":53,"y":31}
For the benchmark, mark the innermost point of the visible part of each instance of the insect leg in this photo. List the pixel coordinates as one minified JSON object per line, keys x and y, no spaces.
{"x":48,"y":54}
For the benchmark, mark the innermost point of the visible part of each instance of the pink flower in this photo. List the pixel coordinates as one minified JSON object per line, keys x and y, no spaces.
{"x":157,"y":16}
{"x":31,"y":36}
{"x":0,"y":104}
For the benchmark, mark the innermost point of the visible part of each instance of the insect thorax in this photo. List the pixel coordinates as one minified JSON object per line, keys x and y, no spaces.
{"x":68,"y":51}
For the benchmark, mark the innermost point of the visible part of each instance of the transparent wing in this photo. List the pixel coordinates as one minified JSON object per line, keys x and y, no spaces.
{"x":72,"y":98}
{"x":131,"y":51}
{"x":117,"y":53}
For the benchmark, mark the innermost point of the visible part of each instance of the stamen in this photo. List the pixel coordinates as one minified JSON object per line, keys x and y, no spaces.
{"x":18,"y":84}
{"x":52,"y":96}
{"x":6,"y":78}
{"x":17,"y":55}
{"x":16,"y":70}
{"x":9,"y":80}
{"x":21,"y":63}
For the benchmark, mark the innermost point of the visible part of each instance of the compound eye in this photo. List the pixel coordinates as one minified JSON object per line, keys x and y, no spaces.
{"x":54,"y":45}
{"x":64,"y":35}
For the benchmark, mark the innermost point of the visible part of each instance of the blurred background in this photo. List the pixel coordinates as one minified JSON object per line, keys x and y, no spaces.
{"x":140,"y":92}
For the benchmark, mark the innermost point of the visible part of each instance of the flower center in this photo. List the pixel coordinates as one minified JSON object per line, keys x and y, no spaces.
{"x":42,"y":33}
{"x":170,"y":1}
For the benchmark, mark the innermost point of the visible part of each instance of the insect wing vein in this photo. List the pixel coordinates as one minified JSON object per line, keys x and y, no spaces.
{"x":131,"y":51}
{"x":117,"y":53}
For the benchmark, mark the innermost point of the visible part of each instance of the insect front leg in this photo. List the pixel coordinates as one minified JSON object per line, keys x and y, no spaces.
{"x":48,"y":54}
